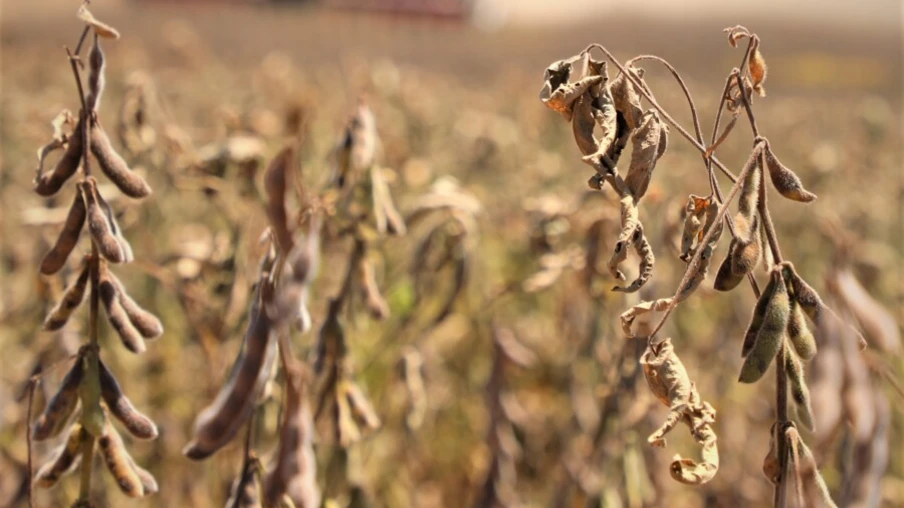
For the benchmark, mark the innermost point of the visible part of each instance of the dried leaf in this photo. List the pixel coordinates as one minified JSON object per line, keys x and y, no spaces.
{"x":100,"y":28}
{"x":669,"y":382}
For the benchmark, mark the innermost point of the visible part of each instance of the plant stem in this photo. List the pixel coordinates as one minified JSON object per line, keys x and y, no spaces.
{"x":32,"y":385}
{"x":781,"y":379}
{"x":92,"y":358}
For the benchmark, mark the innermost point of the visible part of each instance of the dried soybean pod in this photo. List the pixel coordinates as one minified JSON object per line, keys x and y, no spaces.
{"x":136,"y":423}
{"x":148,"y":482}
{"x":61,"y":405}
{"x":812,"y":304}
{"x":726,"y":279}
{"x":99,"y":224}
{"x":799,"y":333}
{"x":49,"y":184}
{"x":119,"y":463}
{"x":746,"y":255}
{"x":785,"y":181}
{"x":96,"y":79}
{"x":127,"y":254}
{"x":362,"y":411}
{"x":245,"y":492}
{"x":756,"y":65}
{"x":771,"y":332}
{"x":147,"y":324}
{"x":220,"y":421}
{"x":295,"y":472}
{"x":276,"y":180}
{"x":794,"y":369}
{"x":72,"y":298}
{"x":72,"y":228}
{"x":114,"y":166}
{"x":116,"y":314}
{"x":65,"y":461}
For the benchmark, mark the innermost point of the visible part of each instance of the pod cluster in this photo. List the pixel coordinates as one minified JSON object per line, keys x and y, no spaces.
{"x":89,"y":388}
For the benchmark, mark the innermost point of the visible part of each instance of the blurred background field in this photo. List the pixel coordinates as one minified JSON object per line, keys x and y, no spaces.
{"x":453,"y":96}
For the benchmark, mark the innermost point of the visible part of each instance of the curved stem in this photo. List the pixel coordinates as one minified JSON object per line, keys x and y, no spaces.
{"x":640,"y":88}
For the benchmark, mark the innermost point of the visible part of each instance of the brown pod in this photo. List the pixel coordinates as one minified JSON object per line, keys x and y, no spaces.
{"x":799,"y":333}
{"x":72,"y":228}
{"x":245,"y":492}
{"x":65,"y":461}
{"x":785,"y":181}
{"x":771,"y":331}
{"x":147,"y":324}
{"x":726,"y":279}
{"x":136,"y":423}
{"x":116,"y":315}
{"x":99,"y":224}
{"x":277,"y":179}
{"x":119,"y":463}
{"x":70,"y":301}
{"x":295,"y":471}
{"x":115,"y":167}
{"x":218,"y":423}
{"x":127,"y":254}
{"x":61,"y":405}
{"x":148,"y":482}
{"x":48,"y":184}
{"x":745,"y":256}
{"x":96,"y":79}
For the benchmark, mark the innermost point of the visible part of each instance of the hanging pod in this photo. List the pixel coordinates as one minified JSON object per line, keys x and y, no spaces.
{"x":61,"y":406}
{"x":71,"y":299}
{"x":785,"y":181}
{"x":48,"y":184}
{"x":800,"y":394}
{"x":767,"y":329}
{"x":55,"y":259}
{"x":65,"y":460}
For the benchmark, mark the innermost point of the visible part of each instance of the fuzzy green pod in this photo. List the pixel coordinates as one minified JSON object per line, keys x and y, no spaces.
{"x":799,"y":333}
{"x":800,"y":394}
{"x":785,"y":181}
{"x":771,"y":331}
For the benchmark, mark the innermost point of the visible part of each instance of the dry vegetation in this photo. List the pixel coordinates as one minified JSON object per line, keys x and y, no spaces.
{"x":428,"y":258}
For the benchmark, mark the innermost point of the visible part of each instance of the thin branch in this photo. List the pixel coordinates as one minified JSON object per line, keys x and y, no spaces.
{"x":32,"y":385}
{"x":699,"y":146}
